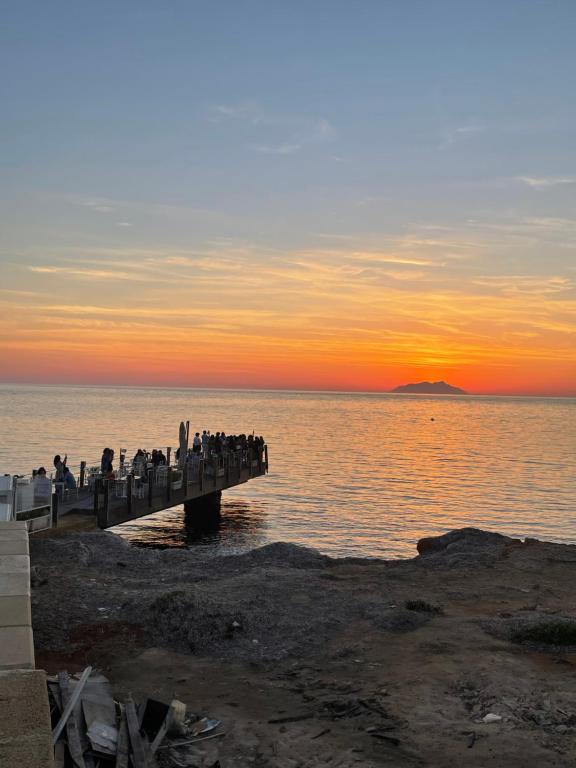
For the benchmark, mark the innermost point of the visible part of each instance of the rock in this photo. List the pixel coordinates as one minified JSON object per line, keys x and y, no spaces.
{"x":463,"y":544}
{"x":283,"y":555}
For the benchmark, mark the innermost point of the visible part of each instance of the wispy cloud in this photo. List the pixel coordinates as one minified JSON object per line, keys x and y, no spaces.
{"x":278,"y":149}
{"x":532,"y":284}
{"x":298,"y":130}
{"x":452,"y":135}
{"x":333,"y":236}
{"x":98,"y":274}
{"x":543,"y":182}
{"x":101,"y":205}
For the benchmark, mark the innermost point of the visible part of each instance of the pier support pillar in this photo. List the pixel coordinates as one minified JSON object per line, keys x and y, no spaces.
{"x":205,"y":506}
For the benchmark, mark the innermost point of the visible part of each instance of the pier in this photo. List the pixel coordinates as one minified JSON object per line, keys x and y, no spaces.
{"x":197,"y":484}
{"x":135,"y":489}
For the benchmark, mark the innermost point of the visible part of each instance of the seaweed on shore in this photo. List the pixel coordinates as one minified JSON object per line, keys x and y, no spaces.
{"x":423,"y":606}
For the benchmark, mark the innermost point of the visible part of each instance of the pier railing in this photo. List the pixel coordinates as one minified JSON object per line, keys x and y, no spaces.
{"x":140,"y":492}
{"x":135,"y":489}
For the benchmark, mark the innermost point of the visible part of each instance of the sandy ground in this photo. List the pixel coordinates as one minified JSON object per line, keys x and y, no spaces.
{"x":326,"y":645}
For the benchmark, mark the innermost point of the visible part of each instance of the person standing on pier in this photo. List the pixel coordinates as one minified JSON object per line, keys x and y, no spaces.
{"x":106,"y":466}
{"x":59,"y":467}
{"x":205,"y":441}
{"x":197,"y":443}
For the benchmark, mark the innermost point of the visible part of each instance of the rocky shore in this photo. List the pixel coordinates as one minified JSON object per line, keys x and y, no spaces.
{"x":464,"y":655}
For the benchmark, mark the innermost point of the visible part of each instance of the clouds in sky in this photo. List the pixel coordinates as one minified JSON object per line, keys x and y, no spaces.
{"x":544,"y":182}
{"x":453,"y":134}
{"x":298,"y":131}
{"x":351,"y":309}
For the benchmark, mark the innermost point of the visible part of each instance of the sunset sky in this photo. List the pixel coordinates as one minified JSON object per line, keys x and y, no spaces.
{"x":315,"y":194}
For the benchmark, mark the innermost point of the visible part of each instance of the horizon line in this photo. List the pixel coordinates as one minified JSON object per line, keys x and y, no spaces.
{"x":283,"y":389}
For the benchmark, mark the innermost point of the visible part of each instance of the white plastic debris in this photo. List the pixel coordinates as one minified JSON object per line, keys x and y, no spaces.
{"x":491,"y":718}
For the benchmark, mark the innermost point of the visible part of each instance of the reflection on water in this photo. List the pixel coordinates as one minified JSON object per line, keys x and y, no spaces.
{"x":238,"y":527}
{"x":350,"y":474}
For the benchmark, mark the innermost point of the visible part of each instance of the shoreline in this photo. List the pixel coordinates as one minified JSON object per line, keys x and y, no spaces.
{"x":397,"y":662}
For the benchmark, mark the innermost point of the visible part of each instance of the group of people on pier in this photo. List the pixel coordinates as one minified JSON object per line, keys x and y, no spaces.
{"x":214,"y":445}
{"x":205,"y":445}
{"x":63,"y":478}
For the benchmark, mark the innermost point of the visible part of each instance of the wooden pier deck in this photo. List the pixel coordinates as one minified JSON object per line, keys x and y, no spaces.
{"x":197,"y":483}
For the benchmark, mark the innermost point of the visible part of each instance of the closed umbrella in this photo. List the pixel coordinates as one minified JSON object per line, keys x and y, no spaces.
{"x":183,"y":441}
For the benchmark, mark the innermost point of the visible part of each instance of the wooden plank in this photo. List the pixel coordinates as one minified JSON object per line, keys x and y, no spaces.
{"x":59,"y":755}
{"x":123,"y":743}
{"x":69,"y":699}
{"x":138,"y":751}
{"x":99,"y":709}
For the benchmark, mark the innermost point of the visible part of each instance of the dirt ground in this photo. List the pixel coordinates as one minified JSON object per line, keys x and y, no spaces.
{"x":359,"y":662}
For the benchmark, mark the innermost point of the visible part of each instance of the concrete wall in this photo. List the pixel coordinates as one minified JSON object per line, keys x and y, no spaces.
{"x":25,"y":731}
{"x":16,"y":646}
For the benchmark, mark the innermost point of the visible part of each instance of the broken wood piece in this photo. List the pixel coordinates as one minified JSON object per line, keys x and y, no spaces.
{"x":69,"y":700}
{"x":136,"y":742}
{"x":174,"y":723}
{"x":69,"y":706}
{"x":177,"y":718}
{"x":59,"y":755}
{"x":122,"y":752}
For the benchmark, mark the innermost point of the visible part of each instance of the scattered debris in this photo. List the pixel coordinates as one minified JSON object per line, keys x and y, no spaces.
{"x":472,"y":738}
{"x":91,"y":729}
{"x":384,"y":737}
{"x":291,"y":718}
{"x":204,"y":726}
{"x":491,"y":717}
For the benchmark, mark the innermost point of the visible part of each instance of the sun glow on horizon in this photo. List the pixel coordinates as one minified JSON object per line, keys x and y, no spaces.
{"x":314,"y":319}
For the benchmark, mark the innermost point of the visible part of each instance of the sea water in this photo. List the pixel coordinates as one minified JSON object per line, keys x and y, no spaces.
{"x":350,"y":474}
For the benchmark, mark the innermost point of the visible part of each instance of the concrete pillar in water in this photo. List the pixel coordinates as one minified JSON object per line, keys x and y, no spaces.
{"x":205,"y":506}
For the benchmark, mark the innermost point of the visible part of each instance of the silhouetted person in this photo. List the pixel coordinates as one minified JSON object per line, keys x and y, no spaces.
{"x":42,"y":485}
{"x":69,"y":480}
{"x":106,"y":465}
{"x":59,"y":467}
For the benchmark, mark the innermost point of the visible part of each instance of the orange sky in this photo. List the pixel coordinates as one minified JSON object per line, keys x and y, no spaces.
{"x":239,"y":316}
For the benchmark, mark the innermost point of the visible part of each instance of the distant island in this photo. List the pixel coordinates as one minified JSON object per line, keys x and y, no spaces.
{"x":431,"y":388}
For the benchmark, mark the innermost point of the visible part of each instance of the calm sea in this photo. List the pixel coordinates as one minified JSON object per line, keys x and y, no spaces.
{"x":350,"y":474}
